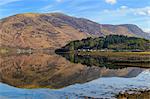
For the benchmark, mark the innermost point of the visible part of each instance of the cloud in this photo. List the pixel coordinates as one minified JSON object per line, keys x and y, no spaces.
{"x":4,"y":2}
{"x":142,"y":11}
{"x":111,"y":1}
{"x":123,"y":7}
{"x":125,"y":14}
{"x":46,"y":8}
{"x":59,"y":0}
{"x":125,"y":10}
{"x":147,"y":30}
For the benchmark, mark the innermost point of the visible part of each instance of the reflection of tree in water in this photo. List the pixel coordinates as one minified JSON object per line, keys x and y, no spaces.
{"x":53,"y":71}
{"x":103,"y":61}
{"x":92,"y":61}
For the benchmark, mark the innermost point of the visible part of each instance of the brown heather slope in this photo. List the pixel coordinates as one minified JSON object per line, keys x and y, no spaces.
{"x":36,"y":31}
{"x":54,"y":30}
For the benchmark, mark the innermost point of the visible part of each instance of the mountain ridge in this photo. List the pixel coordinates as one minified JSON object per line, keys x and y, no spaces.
{"x":54,"y":30}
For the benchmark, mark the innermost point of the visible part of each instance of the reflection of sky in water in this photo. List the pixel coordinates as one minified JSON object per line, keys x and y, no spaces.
{"x":44,"y":70}
{"x":54,"y":70}
{"x":102,"y":87}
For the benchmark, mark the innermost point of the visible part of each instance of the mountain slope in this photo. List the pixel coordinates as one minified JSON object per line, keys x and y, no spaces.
{"x":54,"y":30}
{"x":36,"y":31}
{"x":136,"y":30}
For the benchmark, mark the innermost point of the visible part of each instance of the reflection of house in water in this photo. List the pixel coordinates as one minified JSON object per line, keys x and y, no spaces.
{"x":93,"y":50}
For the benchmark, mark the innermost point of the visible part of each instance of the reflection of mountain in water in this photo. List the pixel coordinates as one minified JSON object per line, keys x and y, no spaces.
{"x":53,"y":71}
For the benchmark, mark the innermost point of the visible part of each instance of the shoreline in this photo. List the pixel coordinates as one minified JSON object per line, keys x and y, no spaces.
{"x":134,"y":94}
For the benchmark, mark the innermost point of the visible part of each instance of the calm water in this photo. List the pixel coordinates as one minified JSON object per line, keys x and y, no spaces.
{"x":42,"y":75}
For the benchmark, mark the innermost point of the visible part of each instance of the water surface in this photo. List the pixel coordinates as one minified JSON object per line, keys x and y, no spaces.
{"x":69,"y":76}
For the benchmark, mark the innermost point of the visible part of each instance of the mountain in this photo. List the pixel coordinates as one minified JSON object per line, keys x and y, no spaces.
{"x":53,"y":30}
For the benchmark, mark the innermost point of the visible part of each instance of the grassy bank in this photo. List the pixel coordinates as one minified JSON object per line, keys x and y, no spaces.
{"x":3,"y":51}
{"x":111,"y":60}
{"x":115,"y":54}
{"x":7,"y":50}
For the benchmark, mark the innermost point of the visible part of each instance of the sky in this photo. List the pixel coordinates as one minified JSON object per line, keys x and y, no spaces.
{"x":101,"y":11}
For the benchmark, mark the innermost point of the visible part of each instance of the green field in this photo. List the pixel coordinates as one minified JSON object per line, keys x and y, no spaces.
{"x":115,"y":54}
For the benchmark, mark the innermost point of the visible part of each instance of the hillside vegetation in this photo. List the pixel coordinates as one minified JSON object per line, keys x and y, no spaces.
{"x":111,"y":42}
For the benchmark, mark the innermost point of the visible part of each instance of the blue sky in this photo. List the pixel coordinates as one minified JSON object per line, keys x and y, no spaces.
{"x":101,"y":11}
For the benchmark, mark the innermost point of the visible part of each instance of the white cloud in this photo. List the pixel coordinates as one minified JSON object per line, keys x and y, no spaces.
{"x":124,"y":10}
{"x":59,"y":0}
{"x":147,"y":30}
{"x":123,"y":7}
{"x":111,"y":1}
{"x":4,"y":2}
{"x":46,"y":8}
{"x":142,"y":11}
